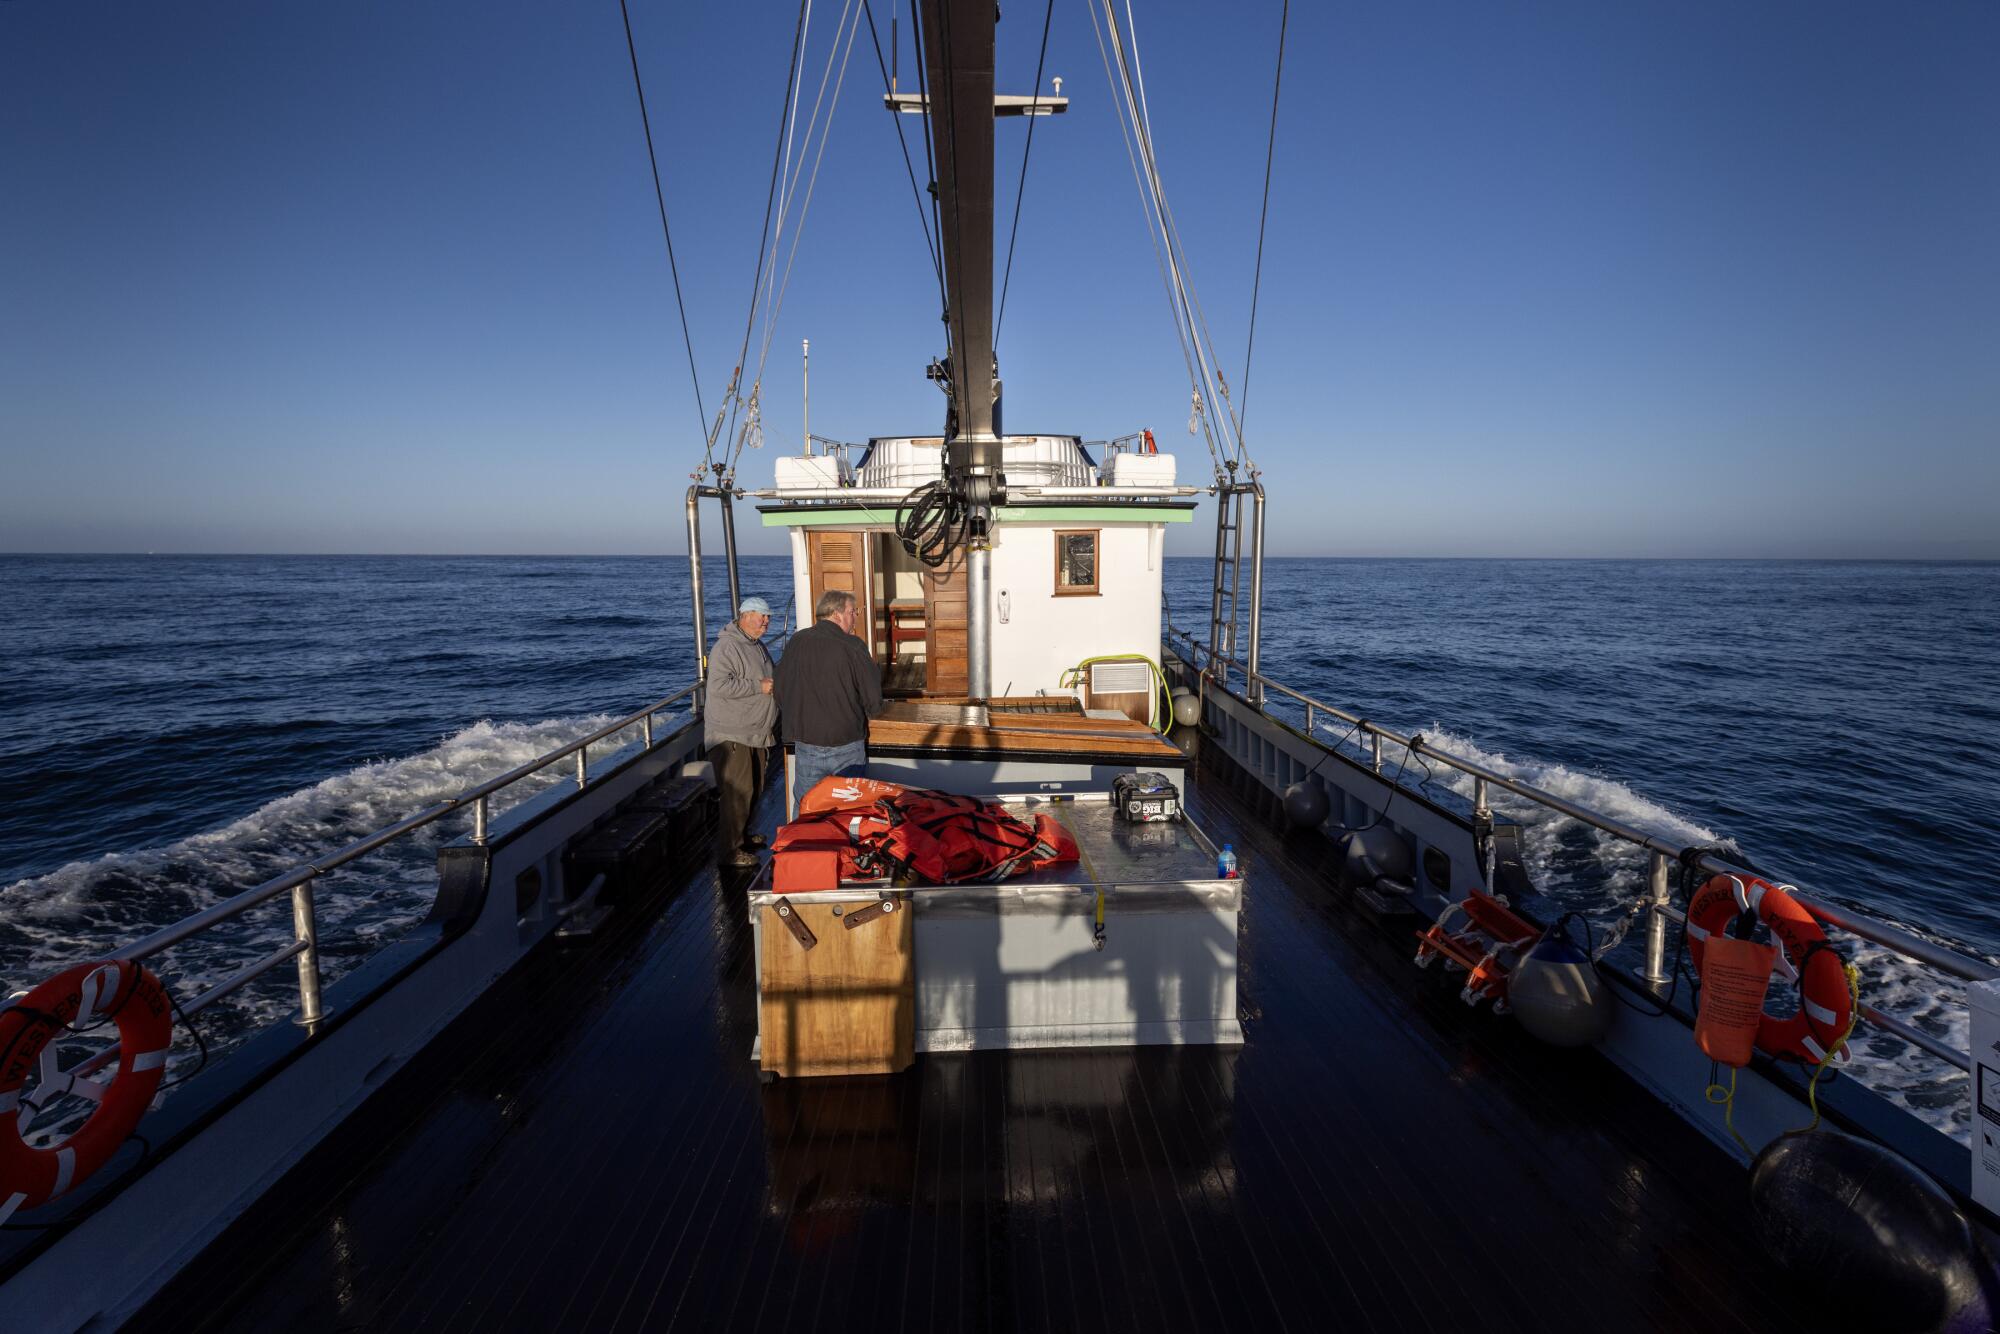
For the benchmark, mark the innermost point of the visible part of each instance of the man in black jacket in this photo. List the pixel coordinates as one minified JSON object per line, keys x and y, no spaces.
{"x":828,"y":687}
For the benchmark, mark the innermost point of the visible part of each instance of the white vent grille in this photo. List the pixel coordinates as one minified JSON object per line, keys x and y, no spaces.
{"x":1120,"y":678}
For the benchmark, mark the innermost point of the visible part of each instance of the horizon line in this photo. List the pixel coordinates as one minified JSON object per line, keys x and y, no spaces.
{"x":774,"y":555}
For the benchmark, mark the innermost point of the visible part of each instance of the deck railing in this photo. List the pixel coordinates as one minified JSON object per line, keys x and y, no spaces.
{"x":1662,"y":853}
{"x":298,"y":881}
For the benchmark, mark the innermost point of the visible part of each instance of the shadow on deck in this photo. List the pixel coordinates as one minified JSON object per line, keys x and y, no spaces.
{"x":1375,"y":1157}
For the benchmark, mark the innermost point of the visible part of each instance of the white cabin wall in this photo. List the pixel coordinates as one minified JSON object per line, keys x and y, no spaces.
{"x":1044,"y":634}
{"x":802,"y":607}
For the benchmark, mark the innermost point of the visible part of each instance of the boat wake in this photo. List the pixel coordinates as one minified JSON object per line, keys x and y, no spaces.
{"x":1580,"y":868}
{"x":87,"y":908}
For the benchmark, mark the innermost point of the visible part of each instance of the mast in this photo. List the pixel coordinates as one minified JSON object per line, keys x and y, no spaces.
{"x":958,"y":59}
{"x":959,"y":101}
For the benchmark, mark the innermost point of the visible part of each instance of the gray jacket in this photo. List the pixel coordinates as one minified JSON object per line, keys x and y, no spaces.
{"x":738,"y":710}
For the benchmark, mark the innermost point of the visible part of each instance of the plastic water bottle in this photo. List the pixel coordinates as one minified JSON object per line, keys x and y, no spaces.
{"x":1225,"y":863}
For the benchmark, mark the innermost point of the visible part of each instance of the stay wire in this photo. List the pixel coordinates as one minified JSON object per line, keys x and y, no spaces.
{"x":1021,"y":189}
{"x":764,"y":236}
{"x":1126,"y":109}
{"x":783,"y":285}
{"x":786,"y":176}
{"x":1197,"y":318}
{"x":909,"y":167}
{"x":660,"y":197}
{"x":1263,"y":212}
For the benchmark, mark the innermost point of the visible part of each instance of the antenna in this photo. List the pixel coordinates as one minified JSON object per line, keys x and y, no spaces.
{"x":806,"y":384}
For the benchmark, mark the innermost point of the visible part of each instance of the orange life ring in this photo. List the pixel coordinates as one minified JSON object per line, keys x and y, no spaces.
{"x":119,"y":991}
{"x":1825,"y":1003}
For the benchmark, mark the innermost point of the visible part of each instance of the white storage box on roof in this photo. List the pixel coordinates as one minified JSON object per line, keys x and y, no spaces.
{"x":1044,"y":460}
{"x":1140,"y":470}
{"x":903,"y":461}
{"x":813,"y":472}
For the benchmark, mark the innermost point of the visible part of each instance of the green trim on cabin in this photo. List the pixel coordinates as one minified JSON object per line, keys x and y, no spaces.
{"x":1096,"y":514}
{"x":849,"y":515}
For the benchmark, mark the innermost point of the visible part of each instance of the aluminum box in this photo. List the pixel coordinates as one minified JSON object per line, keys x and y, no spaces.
{"x":1018,"y":964}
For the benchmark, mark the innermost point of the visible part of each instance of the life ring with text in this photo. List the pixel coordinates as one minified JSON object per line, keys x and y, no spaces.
{"x":81,"y":998}
{"x":1826,"y":1004}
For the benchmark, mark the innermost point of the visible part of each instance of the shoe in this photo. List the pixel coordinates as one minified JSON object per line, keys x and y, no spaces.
{"x":742,"y":860}
{"x":751,"y":842}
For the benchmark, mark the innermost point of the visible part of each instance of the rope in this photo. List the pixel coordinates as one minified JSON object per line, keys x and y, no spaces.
{"x":1727,"y":1102}
{"x":1021,"y":189}
{"x":659,"y":196}
{"x":1257,"y":281}
{"x":1853,"y":1018}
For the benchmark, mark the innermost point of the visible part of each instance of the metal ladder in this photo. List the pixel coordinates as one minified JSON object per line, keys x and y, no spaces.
{"x":1224,"y":596}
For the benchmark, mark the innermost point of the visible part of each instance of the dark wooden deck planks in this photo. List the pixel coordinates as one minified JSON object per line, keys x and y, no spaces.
{"x":1375,"y":1157}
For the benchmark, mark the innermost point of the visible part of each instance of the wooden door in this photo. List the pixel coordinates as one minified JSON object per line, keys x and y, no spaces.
{"x":945,"y":671}
{"x":840,"y":561}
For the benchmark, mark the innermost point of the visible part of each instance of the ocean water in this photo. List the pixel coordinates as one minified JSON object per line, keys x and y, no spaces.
{"x":175,"y":729}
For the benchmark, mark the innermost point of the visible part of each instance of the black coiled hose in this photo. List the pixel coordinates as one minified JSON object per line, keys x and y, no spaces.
{"x":930,"y":522}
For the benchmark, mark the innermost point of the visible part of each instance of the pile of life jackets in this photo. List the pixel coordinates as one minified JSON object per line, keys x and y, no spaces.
{"x":852,"y":830}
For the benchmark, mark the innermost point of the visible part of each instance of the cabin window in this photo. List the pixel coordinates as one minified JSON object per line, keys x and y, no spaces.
{"x":1076,"y":563}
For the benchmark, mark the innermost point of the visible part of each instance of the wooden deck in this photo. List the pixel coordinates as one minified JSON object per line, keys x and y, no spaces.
{"x":592,"y":1151}
{"x":1029,"y":733}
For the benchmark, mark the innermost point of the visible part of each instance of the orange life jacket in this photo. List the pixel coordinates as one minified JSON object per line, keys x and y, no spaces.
{"x":859,"y":829}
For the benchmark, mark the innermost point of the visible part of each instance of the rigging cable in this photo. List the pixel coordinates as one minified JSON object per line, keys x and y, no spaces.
{"x":798,"y":229}
{"x":1257,"y":280}
{"x":659,"y":195}
{"x":1021,"y":189}
{"x":786,"y":177}
{"x":1199,"y":319}
{"x":909,"y":168}
{"x":930,"y":165}
{"x":763,"y":239}
{"x":1147,"y":213}
{"x":1181,"y":298}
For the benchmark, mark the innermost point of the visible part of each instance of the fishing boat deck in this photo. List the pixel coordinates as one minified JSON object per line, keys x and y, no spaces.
{"x":593,"y":1150}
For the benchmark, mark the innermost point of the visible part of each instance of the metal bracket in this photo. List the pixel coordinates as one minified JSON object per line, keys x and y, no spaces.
{"x":796,"y":925}
{"x":863,"y":916}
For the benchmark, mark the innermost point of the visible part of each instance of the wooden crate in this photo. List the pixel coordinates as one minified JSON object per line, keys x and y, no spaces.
{"x":847,"y":1005}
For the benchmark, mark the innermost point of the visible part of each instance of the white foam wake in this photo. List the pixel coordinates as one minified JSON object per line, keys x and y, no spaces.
{"x":89,"y":907}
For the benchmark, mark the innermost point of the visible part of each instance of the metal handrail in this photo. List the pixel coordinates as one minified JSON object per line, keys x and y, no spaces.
{"x":298,"y":880}
{"x":1893,"y":938}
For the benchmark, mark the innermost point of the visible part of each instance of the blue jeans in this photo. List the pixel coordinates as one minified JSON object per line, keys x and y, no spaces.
{"x":812,"y":763}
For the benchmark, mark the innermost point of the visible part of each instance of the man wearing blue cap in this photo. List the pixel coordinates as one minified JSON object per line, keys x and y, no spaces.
{"x":736,"y":727}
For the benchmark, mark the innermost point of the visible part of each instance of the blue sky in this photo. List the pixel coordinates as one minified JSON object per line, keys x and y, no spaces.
{"x":1541,"y":279}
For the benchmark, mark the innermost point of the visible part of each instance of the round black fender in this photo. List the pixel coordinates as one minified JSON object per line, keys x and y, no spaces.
{"x":1861,"y":1231}
{"x":1305,"y":805}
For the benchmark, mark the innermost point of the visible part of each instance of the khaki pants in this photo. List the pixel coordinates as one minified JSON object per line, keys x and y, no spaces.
{"x":739,"y":774}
